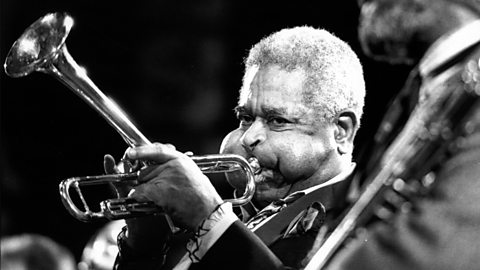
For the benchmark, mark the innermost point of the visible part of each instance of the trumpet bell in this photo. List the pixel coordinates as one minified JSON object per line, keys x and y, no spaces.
{"x":38,"y":45}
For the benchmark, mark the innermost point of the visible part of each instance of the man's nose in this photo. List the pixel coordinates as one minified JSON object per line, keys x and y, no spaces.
{"x":254,"y":135}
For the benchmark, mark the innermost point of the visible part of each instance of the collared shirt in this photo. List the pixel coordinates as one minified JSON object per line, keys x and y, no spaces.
{"x":224,"y":217}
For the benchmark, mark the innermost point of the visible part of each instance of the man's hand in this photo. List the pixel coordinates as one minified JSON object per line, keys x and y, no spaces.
{"x":175,"y":183}
{"x":146,"y":235}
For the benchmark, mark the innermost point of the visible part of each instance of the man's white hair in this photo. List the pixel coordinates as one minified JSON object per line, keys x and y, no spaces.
{"x":334,"y":75}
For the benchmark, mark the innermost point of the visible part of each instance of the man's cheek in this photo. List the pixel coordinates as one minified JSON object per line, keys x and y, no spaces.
{"x":237,"y":180}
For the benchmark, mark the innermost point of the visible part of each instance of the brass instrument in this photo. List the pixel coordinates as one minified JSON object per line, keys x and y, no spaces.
{"x":42,"y":48}
{"x":441,"y":116}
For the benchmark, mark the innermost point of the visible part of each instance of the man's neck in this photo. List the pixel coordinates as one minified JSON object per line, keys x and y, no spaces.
{"x":338,"y":178}
{"x":322,"y":175}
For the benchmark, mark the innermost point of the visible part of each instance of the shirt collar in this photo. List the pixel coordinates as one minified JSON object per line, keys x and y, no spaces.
{"x":448,"y":46}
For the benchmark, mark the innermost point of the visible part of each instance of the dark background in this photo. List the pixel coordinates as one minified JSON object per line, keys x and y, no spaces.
{"x":174,"y":66}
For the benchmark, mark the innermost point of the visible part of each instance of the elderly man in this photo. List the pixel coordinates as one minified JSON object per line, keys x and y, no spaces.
{"x":299,"y":109}
{"x":442,"y":39}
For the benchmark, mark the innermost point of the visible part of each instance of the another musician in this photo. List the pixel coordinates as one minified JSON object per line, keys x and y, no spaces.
{"x":299,"y":109}
{"x":101,"y":250}
{"x":34,"y":251}
{"x":442,"y":39}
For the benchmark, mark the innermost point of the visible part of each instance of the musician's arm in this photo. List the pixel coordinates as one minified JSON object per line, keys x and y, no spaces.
{"x":144,"y":244}
{"x":222,"y":242}
{"x":239,"y":248}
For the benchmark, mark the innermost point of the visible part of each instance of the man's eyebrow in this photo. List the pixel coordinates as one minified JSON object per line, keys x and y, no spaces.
{"x":265,"y":110}
{"x":239,"y":109}
{"x":274,"y":111}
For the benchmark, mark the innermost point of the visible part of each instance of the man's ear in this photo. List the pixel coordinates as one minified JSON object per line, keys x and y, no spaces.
{"x":346,"y":127}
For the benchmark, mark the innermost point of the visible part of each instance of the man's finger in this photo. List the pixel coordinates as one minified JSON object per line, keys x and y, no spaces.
{"x":109,"y":164}
{"x":150,"y":172}
{"x":146,"y":192}
{"x":157,"y":153}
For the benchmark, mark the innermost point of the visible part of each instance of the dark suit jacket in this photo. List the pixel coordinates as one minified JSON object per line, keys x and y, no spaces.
{"x":443,"y":229}
{"x":239,"y":248}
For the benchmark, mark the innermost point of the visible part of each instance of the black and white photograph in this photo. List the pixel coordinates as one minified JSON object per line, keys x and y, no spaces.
{"x":240,"y":134}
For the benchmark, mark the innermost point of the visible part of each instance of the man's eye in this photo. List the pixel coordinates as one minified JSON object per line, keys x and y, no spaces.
{"x":278,"y":121}
{"x":245,"y":119}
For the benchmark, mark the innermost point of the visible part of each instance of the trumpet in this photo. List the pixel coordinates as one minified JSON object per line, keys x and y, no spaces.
{"x":42,"y":48}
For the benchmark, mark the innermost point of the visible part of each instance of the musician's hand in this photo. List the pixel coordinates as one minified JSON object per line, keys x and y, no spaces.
{"x":176,"y":184}
{"x":145,"y":234}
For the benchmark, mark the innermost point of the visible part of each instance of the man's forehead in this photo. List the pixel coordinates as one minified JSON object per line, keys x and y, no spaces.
{"x":273,"y":79}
